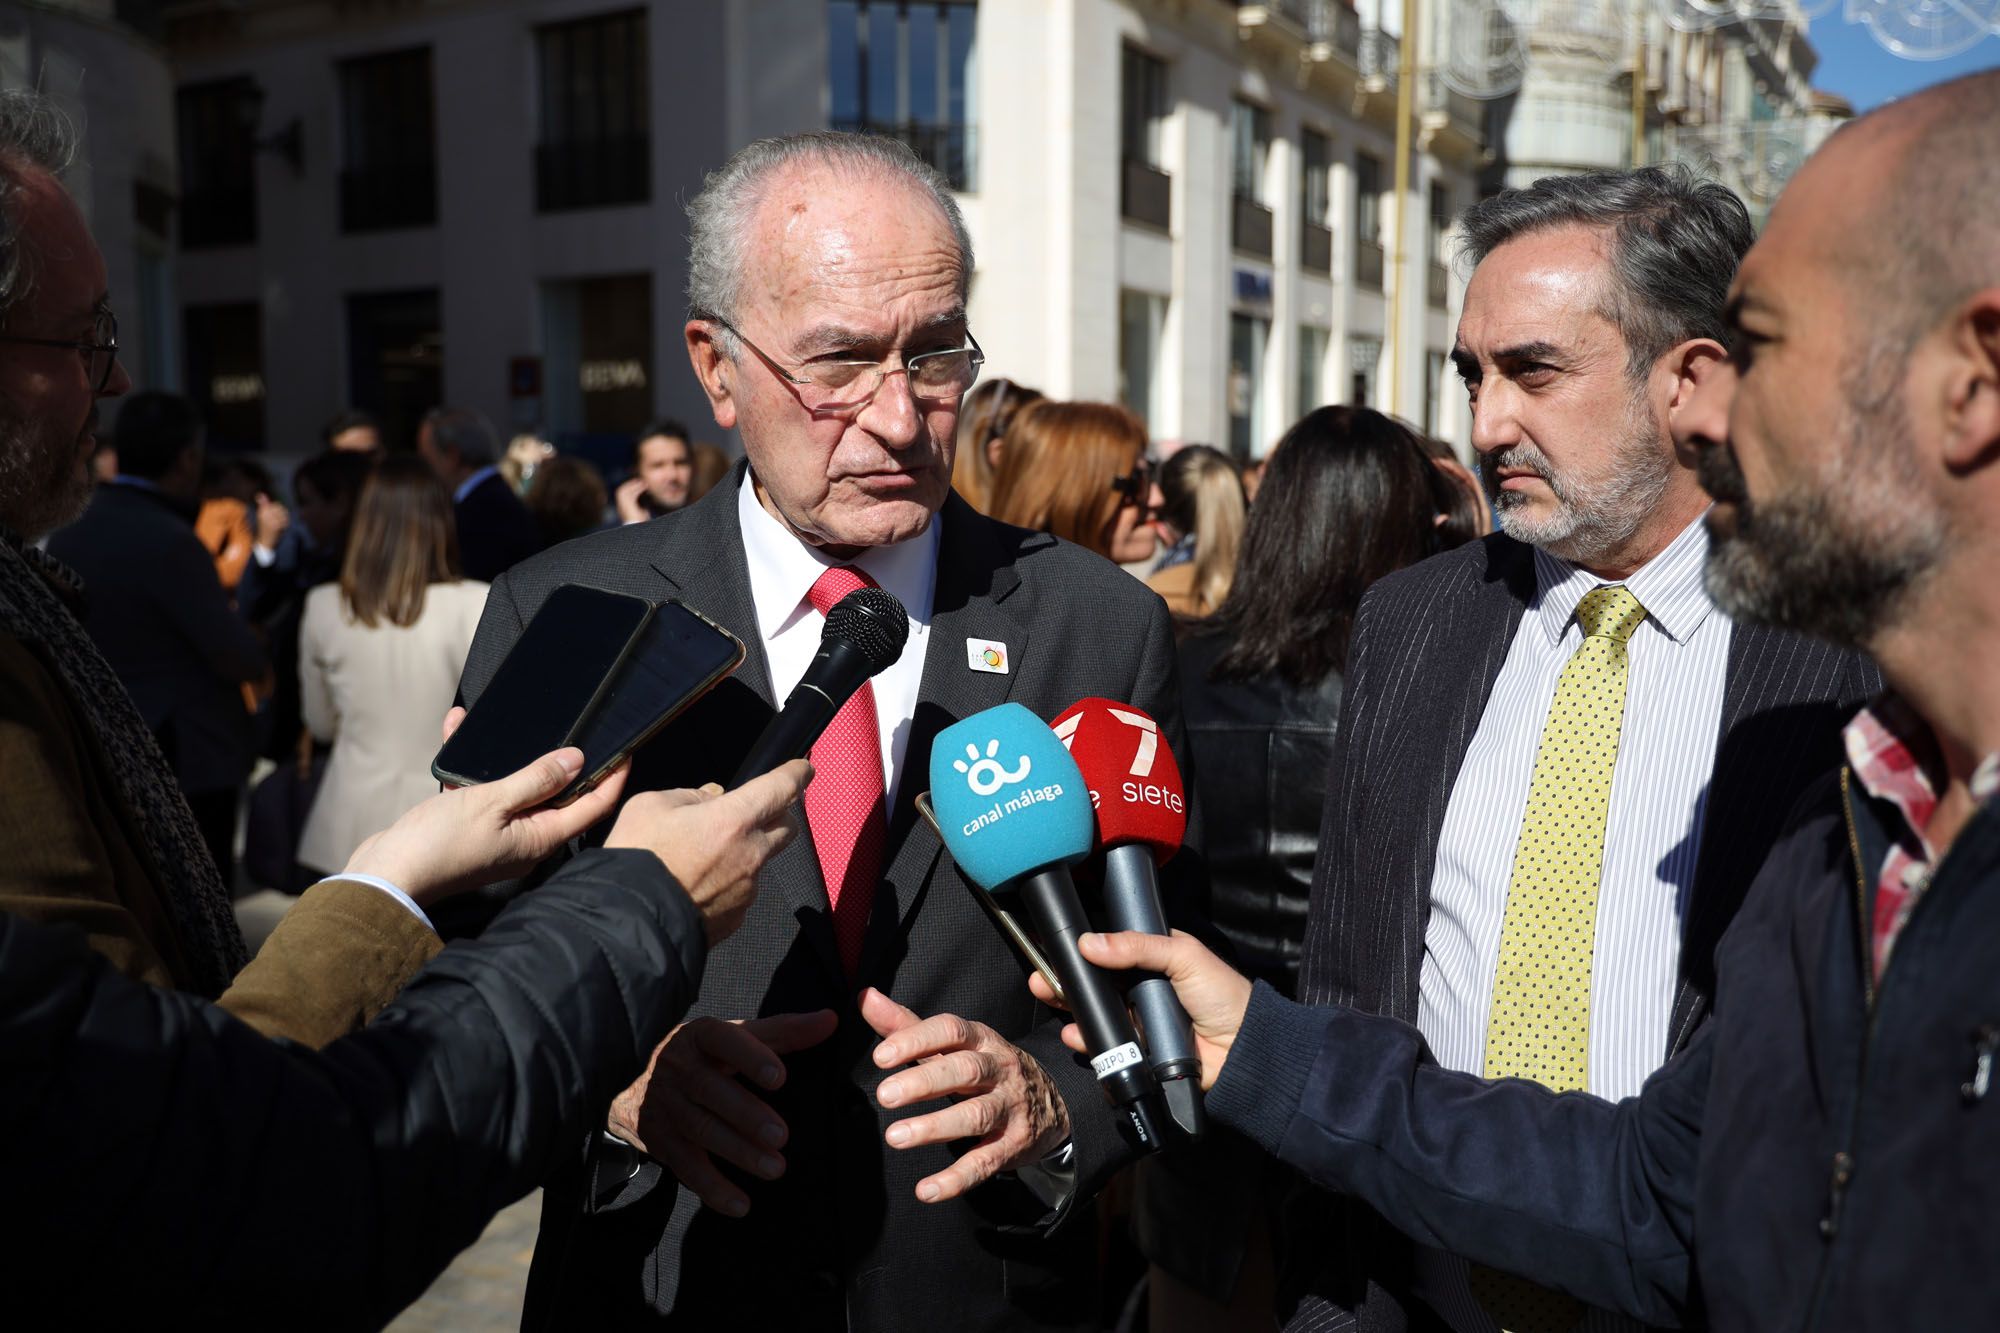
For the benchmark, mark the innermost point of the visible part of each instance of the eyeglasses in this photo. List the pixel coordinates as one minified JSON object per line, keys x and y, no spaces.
{"x":101,"y":353}
{"x":1135,"y":486}
{"x":939,"y":376}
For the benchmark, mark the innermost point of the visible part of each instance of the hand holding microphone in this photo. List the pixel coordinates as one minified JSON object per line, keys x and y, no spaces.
{"x":1015,"y":813}
{"x":1141,"y":811}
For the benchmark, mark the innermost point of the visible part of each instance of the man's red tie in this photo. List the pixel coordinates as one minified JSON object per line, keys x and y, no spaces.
{"x":846,"y":806}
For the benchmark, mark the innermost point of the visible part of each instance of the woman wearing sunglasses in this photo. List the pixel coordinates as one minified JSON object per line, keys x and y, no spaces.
{"x":1078,"y":470}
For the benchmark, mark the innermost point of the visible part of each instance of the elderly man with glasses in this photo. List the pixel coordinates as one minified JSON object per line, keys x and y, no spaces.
{"x":866,"y":1128}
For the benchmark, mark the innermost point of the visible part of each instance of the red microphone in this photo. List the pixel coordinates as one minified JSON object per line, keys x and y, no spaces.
{"x":1141,"y":807}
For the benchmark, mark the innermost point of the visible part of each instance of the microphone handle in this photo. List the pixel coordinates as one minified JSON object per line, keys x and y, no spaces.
{"x":1120,"y":1066}
{"x":1132,"y":902}
{"x":790,"y":734}
{"x":836,"y":671}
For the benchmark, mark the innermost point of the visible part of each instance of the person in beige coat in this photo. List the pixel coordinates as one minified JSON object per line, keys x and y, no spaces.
{"x":379,"y":658}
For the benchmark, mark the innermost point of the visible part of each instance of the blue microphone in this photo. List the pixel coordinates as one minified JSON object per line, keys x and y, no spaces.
{"x":1015,"y":815}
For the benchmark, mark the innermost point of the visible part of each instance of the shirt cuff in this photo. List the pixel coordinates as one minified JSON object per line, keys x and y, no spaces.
{"x":377,"y":882}
{"x":266,"y":556}
{"x":1053,"y":1179}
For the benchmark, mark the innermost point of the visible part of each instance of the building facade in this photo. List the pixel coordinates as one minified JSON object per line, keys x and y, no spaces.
{"x":1184,"y":204}
{"x":102,"y":63}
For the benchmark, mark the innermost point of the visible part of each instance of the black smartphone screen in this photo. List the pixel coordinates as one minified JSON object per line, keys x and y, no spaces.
{"x":546,"y":685}
{"x":674,"y":660}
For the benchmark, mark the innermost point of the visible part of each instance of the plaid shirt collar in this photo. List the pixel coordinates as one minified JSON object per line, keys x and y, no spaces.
{"x":1894,"y":755}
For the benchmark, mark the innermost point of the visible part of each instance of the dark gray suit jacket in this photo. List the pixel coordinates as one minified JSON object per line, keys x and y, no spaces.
{"x":840,"y":1241}
{"x":1428,"y":645}
{"x":155,"y":607}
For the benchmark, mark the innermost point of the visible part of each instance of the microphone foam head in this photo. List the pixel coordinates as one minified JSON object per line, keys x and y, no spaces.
{"x":1134,"y":781}
{"x":1008,"y":797}
{"x":871,"y":620}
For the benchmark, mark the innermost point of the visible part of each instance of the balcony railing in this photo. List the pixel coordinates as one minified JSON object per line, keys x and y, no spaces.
{"x":1325,"y":24}
{"x":1368,"y":264}
{"x":398,"y":194}
{"x":952,"y":149}
{"x":1250,"y":227}
{"x":1437,"y":285}
{"x":1146,"y":194}
{"x":593,"y":173}
{"x":1379,"y":55}
{"x":1315,"y":248}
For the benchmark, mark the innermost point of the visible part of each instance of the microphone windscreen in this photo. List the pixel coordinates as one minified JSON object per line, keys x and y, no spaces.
{"x":871,"y":620}
{"x":1008,"y":797}
{"x":1130,"y":771}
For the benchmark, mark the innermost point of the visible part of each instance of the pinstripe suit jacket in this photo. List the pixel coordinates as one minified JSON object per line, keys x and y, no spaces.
{"x":840,"y":1241}
{"x":1428,"y":645}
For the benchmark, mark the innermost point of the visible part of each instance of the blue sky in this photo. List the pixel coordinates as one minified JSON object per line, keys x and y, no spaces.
{"x":1854,"y":65}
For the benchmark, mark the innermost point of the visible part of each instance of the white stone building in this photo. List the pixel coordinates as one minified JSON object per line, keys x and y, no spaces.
{"x":1181,"y":202}
{"x":100,"y":62}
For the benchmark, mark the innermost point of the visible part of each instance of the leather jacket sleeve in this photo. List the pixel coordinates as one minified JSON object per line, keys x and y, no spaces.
{"x":225,"y":1176}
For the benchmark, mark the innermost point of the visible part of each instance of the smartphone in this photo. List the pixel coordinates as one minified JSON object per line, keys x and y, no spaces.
{"x":544,"y":689}
{"x":677,"y":656}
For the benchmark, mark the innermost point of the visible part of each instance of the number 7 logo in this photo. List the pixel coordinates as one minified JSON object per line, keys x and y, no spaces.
{"x":1149,"y":737}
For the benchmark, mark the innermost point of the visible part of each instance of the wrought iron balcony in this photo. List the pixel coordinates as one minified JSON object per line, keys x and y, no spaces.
{"x":392,"y":194}
{"x":1368,"y":264}
{"x":1146,"y":194}
{"x":1250,"y":227}
{"x":1315,"y":248}
{"x":593,"y":173}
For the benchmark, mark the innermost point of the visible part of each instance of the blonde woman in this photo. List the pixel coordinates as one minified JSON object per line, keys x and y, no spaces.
{"x":379,"y":657}
{"x":1198,"y":510}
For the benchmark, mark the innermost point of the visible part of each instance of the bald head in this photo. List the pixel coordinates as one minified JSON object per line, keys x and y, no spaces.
{"x":1932,"y":235}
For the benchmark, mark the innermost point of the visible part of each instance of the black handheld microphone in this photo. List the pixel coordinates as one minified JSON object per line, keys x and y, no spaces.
{"x":864,"y":634}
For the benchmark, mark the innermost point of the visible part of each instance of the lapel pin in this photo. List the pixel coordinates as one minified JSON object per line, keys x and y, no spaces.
{"x":988,"y":655}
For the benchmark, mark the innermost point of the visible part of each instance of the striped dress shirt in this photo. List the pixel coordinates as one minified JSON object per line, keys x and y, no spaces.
{"x":1678,"y":662}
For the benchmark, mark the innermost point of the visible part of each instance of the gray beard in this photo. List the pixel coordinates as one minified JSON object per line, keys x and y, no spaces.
{"x":42,"y":487}
{"x":1591,"y":520}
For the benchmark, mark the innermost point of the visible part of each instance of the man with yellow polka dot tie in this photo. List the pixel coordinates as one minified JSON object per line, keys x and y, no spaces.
{"x":1559,"y":763}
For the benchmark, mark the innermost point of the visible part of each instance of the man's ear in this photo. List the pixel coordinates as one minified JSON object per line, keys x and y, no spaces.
{"x":715,"y":371}
{"x":1692,"y":364}
{"x":1972,"y":384}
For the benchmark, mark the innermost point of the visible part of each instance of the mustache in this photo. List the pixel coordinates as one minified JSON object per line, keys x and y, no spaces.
{"x":1720,"y":476}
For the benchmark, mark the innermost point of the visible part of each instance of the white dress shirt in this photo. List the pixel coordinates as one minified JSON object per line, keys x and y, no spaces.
{"x":783,"y":570}
{"x":1678,"y":660}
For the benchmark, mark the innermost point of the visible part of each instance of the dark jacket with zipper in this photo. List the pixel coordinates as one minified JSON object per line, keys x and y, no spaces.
{"x":1824,"y":1155}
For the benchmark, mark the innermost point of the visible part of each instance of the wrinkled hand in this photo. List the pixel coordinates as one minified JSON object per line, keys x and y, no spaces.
{"x":631,"y":509}
{"x":272,"y":520}
{"x":690,"y":1106}
{"x":715,"y":842}
{"x":460,"y":839}
{"x":1214,"y":994}
{"x":1006,"y":1100}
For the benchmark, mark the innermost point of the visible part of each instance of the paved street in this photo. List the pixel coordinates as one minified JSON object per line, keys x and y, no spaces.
{"x":481,"y":1291}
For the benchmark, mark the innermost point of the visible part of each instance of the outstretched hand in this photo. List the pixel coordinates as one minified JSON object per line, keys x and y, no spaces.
{"x":469,"y":836}
{"x":1214,"y":994}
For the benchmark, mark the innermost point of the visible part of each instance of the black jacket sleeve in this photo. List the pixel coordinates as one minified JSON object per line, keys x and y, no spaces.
{"x":1581,"y":1194}
{"x":159,"y":1155}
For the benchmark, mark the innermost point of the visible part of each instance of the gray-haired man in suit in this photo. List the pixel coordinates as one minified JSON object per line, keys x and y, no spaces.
{"x":1559,"y":763}
{"x":873,"y":1127}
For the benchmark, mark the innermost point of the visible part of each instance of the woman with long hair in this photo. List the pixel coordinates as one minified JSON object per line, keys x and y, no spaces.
{"x":1348,"y":496}
{"x":1078,"y":470}
{"x":379,"y":657}
{"x":989,"y":409}
{"x":1198,"y":510}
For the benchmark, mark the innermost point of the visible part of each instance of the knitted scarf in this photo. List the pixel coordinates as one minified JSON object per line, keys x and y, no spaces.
{"x":38,"y":599}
